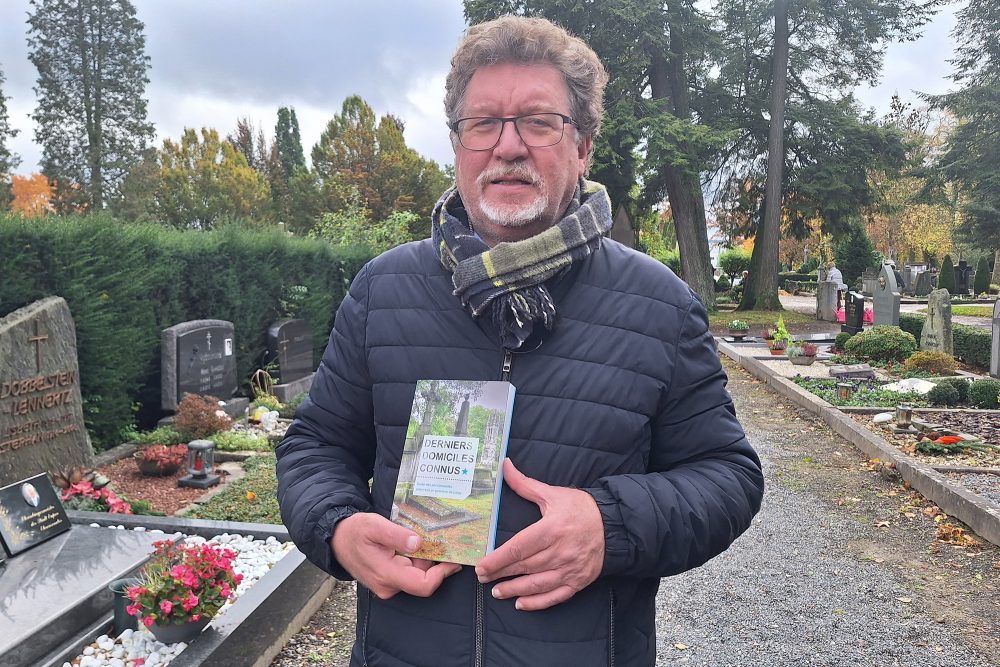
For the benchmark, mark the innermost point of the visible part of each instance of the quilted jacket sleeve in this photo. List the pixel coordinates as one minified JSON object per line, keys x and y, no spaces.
{"x":704,"y":481}
{"x":327,"y":456}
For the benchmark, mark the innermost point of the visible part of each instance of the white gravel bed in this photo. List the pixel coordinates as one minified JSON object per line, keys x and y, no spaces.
{"x":139,"y":648}
{"x":984,"y":484}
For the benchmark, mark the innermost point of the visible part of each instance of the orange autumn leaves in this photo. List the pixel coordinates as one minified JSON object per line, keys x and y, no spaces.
{"x":32,"y":195}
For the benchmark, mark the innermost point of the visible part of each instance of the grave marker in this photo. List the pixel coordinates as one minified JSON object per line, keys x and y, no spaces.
{"x":30,"y":513}
{"x":936,"y":335}
{"x":926,"y":281}
{"x":887,"y":298}
{"x":869,"y":281}
{"x":290,"y":342}
{"x":826,"y":301}
{"x":197,"y":357}
{"x":854,"y":313}
{"x":41,"y":415}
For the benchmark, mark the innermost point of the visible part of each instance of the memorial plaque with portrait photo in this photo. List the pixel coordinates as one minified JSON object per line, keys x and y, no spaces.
{"x":30,"y":513}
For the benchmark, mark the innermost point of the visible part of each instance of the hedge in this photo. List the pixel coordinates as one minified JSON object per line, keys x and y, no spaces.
{"x":124,"y":283}
{"x":972,"y":344}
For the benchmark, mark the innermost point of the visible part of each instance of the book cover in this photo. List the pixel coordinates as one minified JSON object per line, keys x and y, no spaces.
{"x":448,"y":489}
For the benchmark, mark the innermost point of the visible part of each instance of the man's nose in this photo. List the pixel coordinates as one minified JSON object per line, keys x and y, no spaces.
{"x":510,"y":146}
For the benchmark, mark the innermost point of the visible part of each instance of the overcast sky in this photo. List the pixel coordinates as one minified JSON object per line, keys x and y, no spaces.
{"x":214,"y":61}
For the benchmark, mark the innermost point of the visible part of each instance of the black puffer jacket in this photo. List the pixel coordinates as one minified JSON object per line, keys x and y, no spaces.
{"x":625,"y":399}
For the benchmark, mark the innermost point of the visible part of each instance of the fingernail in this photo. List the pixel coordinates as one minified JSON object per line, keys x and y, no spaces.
{"x":496,"y":593}
{"x":412,"y":542}
{"x":517,"y":604}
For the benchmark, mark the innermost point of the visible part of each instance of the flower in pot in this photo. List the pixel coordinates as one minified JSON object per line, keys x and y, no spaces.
{"x":160,"y":460}
{"x":780,"y":338}
{"x":181,"y":588}
{"x":801,"y":354}
{"x":738,"y":328}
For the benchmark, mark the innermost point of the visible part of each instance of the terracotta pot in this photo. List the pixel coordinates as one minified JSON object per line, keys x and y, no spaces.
{"x":777,"y":352}
{"x":154,"y":468}
{"x":802,"y":360}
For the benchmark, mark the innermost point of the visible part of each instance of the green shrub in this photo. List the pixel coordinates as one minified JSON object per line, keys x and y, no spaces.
{"x":943,"y":394}
{"x":882,"y":344}
{"x":288,"y":409}
{"x":268,"y":401}
{"x":722,"y":284}
{"x":984,"y":393}
{"x":961,"y":385}
{"x":734,"y":262}
{"x":125,"y":283}
{"x":673,"y":260}
{"x":841,"y":340}
{"x":254,"y":498}
{"x":938,"y":363}
{"x":972,"y":344}
{"x":981,"y":284}
{"x":162,"y":435}
{"x":240,"y":441}
{"x":946,"y":278}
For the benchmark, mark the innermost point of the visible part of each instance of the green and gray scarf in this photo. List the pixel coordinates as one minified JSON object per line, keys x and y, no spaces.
{"x":509,"y":278}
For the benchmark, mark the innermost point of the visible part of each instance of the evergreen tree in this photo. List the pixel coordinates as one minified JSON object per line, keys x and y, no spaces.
{"x":8,"y":160}
{"x":946,"y":278}
{"x":91,"y":112}
{"x":982,"y":282}
{"x":286,"y":136}
{"x":854,"y":252}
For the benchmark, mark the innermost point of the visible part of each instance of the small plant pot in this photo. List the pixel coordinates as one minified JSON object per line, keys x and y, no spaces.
{"x":156,"y":469}
{"x":777,"y":351}
{"x":738,"y":334}
{"x":172,"y":633}
{"x":802,"y":360}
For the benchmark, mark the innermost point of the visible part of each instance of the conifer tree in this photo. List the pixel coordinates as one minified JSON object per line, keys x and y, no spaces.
{"x":982,"y":281}
{"x":946,"y":279}
{"x":289,"y":141}
{"x":8,"y":160}
{"x":91,"y":113}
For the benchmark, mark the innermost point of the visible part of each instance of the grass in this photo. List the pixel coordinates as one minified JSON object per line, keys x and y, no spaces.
{"x":254,"y":498}
{"x":758,"y":318}
{"x":969,"y":311}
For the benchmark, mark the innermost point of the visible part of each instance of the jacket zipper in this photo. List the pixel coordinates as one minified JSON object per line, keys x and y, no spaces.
{"x":508,"y":359}
{"x":611,"y":630}
{"x":364,"y":629}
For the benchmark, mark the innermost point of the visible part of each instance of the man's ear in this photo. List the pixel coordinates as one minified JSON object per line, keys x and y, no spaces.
{"x":583,"y":154}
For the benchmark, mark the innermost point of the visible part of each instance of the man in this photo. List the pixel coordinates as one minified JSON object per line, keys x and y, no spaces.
{"x":834,"y":275}
{"x":626,"y":461}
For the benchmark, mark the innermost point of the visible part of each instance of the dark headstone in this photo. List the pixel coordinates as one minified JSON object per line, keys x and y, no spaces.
{"x":963,"y":275}
{"x":290,"y":343}
{"x":886,"y":308}
{"x":854,"y":313}
{"x":926,"y":281}
{"x":197,"y":357}
{"x":30,"y":513}
{"x":41,"y":415}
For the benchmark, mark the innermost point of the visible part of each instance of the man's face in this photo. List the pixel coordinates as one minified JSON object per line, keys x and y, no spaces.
{"x":514,"y":191}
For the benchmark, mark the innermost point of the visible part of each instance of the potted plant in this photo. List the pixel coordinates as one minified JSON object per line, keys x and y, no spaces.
{"x":160,"y":460}
{"x":801,"y":354}
{"x":738,"y":329}
{"x":181,"y":588}
{"x":780,"y":338}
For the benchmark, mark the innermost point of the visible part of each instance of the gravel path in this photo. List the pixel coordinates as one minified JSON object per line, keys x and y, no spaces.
{"x":841,"y":568}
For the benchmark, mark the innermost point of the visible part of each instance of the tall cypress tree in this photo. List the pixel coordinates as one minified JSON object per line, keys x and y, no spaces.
{"x":289,"y":141}
{"x":8,"y":160}
{"x":91,"y":114}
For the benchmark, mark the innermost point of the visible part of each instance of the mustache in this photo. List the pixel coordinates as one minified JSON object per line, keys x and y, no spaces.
{"x":519,"y":171}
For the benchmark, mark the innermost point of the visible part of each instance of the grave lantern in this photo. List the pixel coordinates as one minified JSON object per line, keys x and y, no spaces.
{"x":200,"y":463}
{"x":904,"y":415}
{"x":844,"y":390}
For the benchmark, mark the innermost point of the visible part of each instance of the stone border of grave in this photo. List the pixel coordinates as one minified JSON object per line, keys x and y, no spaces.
{"x":253,"y":631}
{"x":975,"y":511}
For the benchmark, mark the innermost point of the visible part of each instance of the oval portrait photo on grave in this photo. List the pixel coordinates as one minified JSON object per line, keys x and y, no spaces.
{"x":30,"y":494}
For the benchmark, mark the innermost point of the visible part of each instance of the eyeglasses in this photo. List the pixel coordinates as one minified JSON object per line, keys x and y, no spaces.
{"x":536,"y":130}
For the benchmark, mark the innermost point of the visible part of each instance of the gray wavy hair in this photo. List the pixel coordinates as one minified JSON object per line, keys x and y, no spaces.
{"x":516,"y":39}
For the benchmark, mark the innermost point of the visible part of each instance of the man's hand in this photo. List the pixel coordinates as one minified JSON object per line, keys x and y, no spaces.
{"x":366,"y":544}
{"x":553,"y":558}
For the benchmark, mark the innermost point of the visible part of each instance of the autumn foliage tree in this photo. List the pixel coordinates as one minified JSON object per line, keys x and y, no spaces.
{"x":8,"y":160}
{"x":32,"y":195}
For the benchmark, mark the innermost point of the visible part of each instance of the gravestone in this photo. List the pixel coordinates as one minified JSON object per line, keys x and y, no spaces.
{"x":926,"y":281}
{"x":936,"y":335}
{"x":622,"y":230}
{"x":886,"y":309}
{"x":197,"y":357}
{"x":30,"y":513}
{"x":869,"y":281}
{"x":41,"y":415}
{"x":995,"y":352}
{"x":854,"y":313}
{"x":963,"y":281}
{"x":290,"y":343}
{"x":826,"y":301}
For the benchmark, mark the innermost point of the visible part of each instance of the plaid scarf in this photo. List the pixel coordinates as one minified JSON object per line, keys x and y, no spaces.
{"x":510,"y":277}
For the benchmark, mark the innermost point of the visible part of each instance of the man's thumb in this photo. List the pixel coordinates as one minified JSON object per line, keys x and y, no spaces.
{"x":399,"y":538}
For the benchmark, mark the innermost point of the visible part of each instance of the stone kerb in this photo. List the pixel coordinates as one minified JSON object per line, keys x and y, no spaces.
{"x":982,"y":515}
{"x":41,"y":413}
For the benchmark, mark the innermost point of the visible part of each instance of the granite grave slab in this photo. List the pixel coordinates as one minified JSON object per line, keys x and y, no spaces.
{"x":41,"y":415}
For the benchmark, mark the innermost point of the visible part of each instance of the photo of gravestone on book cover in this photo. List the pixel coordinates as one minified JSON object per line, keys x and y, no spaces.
{"x":448,"y":489}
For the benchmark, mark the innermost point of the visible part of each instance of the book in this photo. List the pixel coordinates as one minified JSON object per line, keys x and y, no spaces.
{"x":450,"y":475}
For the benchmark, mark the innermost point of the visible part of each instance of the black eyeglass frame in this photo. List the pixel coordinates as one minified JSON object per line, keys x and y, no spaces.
{"x":513,"y":119}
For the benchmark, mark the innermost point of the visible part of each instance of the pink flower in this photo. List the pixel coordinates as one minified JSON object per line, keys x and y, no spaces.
{"x":225,"y":591}
{"x":147,"y":621}
{"x":166,"y":606}
{"x":195,"y":618}
{"x":191,"y":602}
{"x":133,"y":609}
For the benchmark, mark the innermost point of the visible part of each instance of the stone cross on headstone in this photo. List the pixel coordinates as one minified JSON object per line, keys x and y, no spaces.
{"x":887,"y":298}
{"x":38,"y":339}
{"x":995,"y":351}
{"x":936,"y":335}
